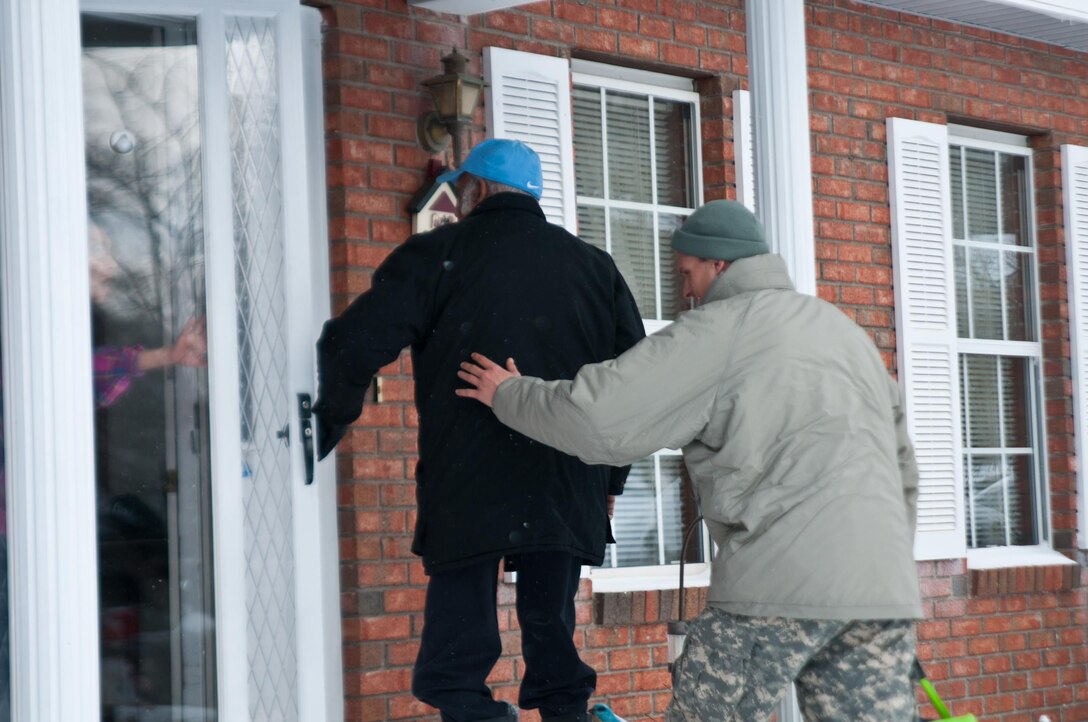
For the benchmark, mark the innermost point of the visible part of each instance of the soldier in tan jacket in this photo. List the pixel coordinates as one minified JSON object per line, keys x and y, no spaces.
{"x":794,"y":436}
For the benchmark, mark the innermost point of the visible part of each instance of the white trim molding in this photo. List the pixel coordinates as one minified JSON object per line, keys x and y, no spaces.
{"x":47,"y":364}
{"x":780,"y":131}
{"x":1006,"y":557}
{"x":743,"y":161}
{"x":643,"y":579}
{"x":317,"y":583}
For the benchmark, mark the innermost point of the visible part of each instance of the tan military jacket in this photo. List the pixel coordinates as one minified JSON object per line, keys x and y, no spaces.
{"x":793,"y":433}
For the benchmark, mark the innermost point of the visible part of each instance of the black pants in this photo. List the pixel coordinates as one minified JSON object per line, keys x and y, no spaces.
{"x":461,"y":640}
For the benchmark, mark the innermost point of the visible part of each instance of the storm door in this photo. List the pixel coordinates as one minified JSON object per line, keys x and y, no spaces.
{"x":208,"y":282}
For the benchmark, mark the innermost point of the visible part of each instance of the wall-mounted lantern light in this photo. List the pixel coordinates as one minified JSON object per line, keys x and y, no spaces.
{"x":455,"y":94}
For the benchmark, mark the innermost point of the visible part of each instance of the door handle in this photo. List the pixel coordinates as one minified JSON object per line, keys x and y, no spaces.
{"x":305,"y":421}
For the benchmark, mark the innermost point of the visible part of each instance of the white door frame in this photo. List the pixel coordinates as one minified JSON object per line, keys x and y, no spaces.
{"x":49,"y":406}
{"x":316,"y":534}
{"x":47,"y":365}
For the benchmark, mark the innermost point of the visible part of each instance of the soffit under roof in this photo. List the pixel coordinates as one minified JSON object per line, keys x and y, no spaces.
{"x":1057,"y":22}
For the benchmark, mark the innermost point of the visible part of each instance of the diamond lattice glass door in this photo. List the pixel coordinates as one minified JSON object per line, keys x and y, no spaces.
{"x":262,"y":317}
{"x":198,"y":164}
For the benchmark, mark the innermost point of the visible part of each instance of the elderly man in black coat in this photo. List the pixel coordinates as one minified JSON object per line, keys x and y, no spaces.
{"x":505,"y":282}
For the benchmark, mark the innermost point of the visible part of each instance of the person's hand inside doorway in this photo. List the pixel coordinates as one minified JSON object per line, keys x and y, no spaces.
{"x":115,"y":367}
{"x":189,"y":349}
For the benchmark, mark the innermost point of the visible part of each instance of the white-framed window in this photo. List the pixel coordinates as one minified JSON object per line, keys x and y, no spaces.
{"x":620,"y":151}
{"x":651,"y":514}
{"x":636,"y":153}
{"x":970,"y":352}
{"x":998,"y":346}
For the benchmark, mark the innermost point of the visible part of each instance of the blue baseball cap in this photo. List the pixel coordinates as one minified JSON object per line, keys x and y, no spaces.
{"x":505,"y":161}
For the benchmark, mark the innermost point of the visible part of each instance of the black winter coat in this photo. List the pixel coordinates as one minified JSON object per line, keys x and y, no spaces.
{"x":506,"y":283}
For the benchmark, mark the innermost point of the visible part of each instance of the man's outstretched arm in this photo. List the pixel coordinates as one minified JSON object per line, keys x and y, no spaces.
{"x":370,"y":334}
{"x":615,"y":412}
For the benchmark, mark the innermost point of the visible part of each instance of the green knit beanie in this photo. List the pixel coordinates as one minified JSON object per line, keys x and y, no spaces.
{"x":722,"y":231}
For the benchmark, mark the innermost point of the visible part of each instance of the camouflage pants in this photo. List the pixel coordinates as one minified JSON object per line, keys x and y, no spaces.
{"x":736,"y":669}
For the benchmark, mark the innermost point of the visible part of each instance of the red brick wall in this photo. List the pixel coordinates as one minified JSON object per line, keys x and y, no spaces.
{"x":1004,"y":647}
{"x":867,"y":65}
{"x":1008,"y":652}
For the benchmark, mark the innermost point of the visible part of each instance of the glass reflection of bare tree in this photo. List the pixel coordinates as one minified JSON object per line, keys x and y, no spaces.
{"x":144,"y":181}
{"x":143,"y":173}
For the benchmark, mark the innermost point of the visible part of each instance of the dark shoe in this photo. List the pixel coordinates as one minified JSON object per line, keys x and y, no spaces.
{"x":572,"y":717}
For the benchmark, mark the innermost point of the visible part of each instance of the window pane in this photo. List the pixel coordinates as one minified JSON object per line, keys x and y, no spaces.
{"x":996,"y":300}
{"x":678,"y":509}
{"x":648,"y":149}
{"x":1020,"y":488}
{"x":1014,"y":199}
{"x":997,"y":402}
{"x":636,"y":525}
{"x":635,"y":522}
{"x":144,"y":165}
{"x":633,"y":248}
{"x":672,"y":299}
{"x":672,"y":141}
{"x":591,"y":226}
{"x":629,"y":171}
{"x":588,"y":148}
{"x":955,"y":168}
{"x":985,"y":285}
{"x":980,"y":413}
{"x":1002,"y":488}
{"x":985,"y":505}
{"x":1015,"y":402}
{"x":1018,"y":285}
{"x":963,"y":318}
{"x":1002,"y":505}
{"x":981,"y":194}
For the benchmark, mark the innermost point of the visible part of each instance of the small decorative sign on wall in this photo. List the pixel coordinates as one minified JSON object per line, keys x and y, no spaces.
{"x":434,"y":207}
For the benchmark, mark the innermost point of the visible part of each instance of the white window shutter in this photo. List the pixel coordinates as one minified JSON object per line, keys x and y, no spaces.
{"x":1075,"y":200}
{"x":925,"y":310}
{"x":744,"y":153}
{"x":528,"y":98}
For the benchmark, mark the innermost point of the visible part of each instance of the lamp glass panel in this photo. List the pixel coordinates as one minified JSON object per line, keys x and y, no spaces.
{"x":445,"y":98}
{"x":470,"y":93}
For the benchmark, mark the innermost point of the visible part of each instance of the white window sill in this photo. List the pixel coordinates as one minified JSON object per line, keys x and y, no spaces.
{"x":640,"y":579}
{"x":645,"y":579}
{"x":1004,"y":557}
